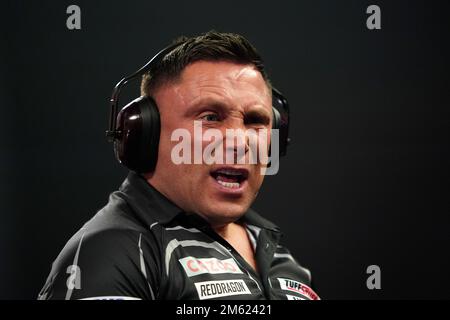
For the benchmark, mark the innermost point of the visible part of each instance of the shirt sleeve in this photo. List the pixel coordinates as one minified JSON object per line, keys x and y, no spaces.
{"x":107,"y":265}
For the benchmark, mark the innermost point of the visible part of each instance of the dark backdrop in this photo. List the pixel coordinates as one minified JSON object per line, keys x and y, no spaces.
{"x":366,"y":179}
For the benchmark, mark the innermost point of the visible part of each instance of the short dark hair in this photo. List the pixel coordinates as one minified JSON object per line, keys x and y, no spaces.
{"x":210,"y":46}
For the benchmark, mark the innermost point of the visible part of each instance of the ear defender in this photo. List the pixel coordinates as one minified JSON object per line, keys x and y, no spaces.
{"x":135,"y":130}
{"x":139,"y":126}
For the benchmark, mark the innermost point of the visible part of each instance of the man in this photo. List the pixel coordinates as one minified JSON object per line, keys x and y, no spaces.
{"x":186,"y":231}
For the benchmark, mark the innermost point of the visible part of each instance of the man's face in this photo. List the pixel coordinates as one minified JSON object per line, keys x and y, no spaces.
{"x":222,"y":95}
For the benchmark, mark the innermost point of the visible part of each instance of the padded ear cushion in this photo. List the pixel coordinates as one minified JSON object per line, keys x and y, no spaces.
{"x":151,"y":128}
{"x":284,"y":132}
{"x":276,"y":119}
{"x":281,"y":119}
{"x":282,"y":124}
{"x":139,"y":124}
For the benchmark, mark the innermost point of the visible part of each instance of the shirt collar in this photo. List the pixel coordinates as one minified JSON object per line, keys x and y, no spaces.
{"x":146,"y":201}
{"x":151,"y":205}
{"x":253,"y":218}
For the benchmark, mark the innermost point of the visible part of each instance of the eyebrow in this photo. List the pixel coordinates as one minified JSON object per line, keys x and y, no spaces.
{"x":205,"y":103}
{"x":254,"y":110}
{"x":258,"y":114}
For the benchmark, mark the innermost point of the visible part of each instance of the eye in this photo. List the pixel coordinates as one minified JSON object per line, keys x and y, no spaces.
{"x":256,"y":119}
{"x":210,"y":117}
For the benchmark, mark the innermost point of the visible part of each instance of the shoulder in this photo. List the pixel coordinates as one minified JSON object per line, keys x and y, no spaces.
{"x":114,"y":233}
{"x":106,"y":257}
{"x":111,"y":228}
{"x":117,"y":215}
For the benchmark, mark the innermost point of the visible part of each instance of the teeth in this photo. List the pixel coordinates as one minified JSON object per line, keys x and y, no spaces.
{"x":232,"y":185}
{"x":229,"y":172}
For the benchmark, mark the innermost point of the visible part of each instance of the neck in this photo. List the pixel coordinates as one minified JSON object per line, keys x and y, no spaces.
{"x":227,"y":231}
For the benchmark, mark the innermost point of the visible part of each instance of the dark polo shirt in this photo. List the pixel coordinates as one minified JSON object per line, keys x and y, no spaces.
{"x":142,"y":246}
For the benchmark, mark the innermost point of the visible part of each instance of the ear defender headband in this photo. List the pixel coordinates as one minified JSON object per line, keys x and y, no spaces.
{"x":135,"y":130}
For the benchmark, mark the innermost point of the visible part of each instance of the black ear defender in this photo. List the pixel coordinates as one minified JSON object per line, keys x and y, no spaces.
{"x":135,"y":130}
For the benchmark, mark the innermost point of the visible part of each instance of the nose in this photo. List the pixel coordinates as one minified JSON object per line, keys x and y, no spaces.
{"x":236,"y":143}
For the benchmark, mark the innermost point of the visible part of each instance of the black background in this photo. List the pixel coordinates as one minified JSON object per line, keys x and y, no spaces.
{"x":366,"y":179}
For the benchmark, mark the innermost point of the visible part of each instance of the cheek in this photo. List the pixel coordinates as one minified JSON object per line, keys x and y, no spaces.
{"x":257,"y":179}
{"x":165,"y":143}
{"x":266,"y":138}
{"x":172,"y":128}
{"x":164,"y":152}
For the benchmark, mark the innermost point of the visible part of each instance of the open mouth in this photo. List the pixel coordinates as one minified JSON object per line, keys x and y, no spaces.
{"x":231,"y":178}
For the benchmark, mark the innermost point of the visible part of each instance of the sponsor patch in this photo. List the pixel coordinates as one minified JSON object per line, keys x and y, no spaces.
{"x":298,"y":287}
{"x":195,"y":266}
{"x":217,"y":289}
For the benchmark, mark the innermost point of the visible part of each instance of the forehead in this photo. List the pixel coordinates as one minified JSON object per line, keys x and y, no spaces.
{"x":225,"y":79}
{"x":220,"y":70}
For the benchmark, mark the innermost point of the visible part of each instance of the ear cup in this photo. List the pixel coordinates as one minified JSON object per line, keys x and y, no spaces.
{"x":139,"y":126}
